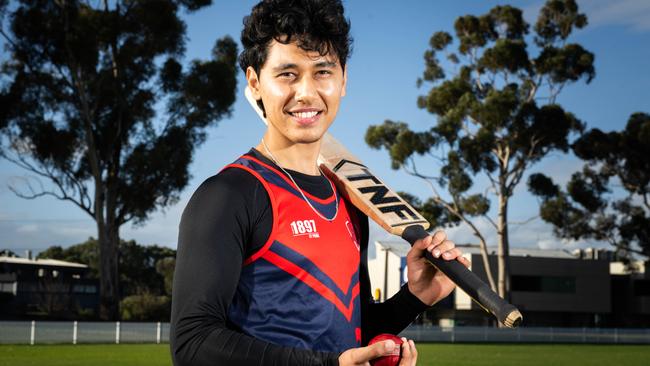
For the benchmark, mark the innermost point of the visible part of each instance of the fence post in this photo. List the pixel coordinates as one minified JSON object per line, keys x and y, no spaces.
{"x":117,"y":332}
{"x":74,"y":332}
{"x":32,"y":333}
{"x":158,"y":331}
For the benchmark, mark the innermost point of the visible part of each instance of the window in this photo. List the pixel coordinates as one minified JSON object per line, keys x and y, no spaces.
{"x":8,"y":287}
{"x":555,"y":284}
{"x":84,"y":289}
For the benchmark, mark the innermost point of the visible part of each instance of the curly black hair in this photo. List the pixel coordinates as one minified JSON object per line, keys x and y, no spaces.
{"x":316,"y":25}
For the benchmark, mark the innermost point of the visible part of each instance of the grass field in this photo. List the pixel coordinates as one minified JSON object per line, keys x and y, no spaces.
{"x":430,"y":355}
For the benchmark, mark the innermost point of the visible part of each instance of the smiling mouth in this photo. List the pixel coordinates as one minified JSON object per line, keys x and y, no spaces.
{"x":305,"y":115}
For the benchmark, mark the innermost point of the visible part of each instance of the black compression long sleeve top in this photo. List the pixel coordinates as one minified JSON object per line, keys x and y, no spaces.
{"x":229,"y":218}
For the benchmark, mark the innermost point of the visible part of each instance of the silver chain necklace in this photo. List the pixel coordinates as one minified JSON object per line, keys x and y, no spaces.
{"x":300,"y":190}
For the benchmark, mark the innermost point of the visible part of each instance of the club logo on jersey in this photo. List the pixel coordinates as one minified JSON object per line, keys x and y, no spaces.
{"x":304,"y":228}
{"x":350,"y":228}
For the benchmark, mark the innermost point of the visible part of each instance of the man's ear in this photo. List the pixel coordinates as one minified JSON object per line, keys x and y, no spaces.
{"x":253,"y":82}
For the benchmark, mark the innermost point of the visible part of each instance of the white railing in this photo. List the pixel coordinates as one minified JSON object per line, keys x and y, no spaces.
{"x":76,"y":332}
{"x":423,"y":333}
{"x":73,"y":332}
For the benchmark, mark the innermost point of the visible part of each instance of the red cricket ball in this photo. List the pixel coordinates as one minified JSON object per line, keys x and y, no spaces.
{"x":391,"y":359}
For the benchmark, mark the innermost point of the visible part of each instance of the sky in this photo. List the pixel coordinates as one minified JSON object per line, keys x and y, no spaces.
{"x":390,"y":38}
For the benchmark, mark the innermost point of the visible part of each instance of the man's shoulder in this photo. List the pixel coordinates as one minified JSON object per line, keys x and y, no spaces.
{"x":231,"y":181}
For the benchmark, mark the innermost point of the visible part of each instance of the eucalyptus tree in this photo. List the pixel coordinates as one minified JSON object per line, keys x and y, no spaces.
{"x":95,"y":101}
{"x":494,"y":99}
{"x":609,"y":200}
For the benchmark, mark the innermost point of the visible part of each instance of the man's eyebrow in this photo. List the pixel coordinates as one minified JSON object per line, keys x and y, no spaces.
{"x":326,"y":64}
{"x":284,"y":67}
{"x":289,"y":66}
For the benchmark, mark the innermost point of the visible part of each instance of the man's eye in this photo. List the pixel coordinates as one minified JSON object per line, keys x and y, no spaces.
{"x":324,"y":72}
{"x":287,"y":75}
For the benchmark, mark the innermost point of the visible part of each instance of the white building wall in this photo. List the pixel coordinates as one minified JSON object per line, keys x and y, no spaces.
{"x":376,"y":269}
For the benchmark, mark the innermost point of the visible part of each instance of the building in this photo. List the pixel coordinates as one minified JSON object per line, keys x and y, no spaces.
{"x":46,"y":288}
{"x":550,"y":287}
{"x":630,"y":293}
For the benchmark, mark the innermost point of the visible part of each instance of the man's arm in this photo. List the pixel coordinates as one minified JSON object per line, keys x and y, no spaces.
{"x":215,"y":226}
{"x":390,"y":316}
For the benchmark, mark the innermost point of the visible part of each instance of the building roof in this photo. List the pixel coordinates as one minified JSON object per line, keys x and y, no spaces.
{"x":41,"y":262}
{"x":400,"y":248}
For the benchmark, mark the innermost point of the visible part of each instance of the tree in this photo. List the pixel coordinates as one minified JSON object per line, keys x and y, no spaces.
{"x":146,"y":274}
{"x":497,"y":115}
{"x":145,"y":307}
{"x":95,"y":101}
{"x":7,"y":253}
{"x":165,"y":267}
{"x":85,"y":253}
{"x":143,"y":269}
{"x":609,"y":200}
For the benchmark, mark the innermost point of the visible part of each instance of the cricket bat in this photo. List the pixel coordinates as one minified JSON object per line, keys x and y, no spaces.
{"x":381,"y":204}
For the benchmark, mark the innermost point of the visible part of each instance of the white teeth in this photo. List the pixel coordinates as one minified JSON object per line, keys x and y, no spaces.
{"x":305,"y":114}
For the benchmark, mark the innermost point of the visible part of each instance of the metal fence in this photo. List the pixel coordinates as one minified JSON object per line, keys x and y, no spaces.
{"x":527,"y":335}
{"x":48,"y":332}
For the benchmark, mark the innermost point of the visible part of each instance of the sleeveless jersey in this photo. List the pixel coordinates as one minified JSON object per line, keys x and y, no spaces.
{"x":302,"y":288}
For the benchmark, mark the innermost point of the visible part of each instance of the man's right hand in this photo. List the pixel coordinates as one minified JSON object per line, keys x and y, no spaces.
{"x":361,"y":356}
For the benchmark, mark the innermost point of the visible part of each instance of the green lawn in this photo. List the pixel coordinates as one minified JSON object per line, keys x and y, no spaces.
{"x":430,"y":354}
{"x":532,"y":355}
{"x":86,"y":355}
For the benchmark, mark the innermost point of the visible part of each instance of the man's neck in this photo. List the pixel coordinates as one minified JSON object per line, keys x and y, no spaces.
{"x":298,"y":157}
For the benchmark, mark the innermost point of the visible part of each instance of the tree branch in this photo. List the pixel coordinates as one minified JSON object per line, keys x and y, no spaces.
{"x":533,"y":91}
{"x":427,"y":179}
{"x":42,"y":192}
{"x":493,"y":182}
{"x":7,"y":38}
{"x":473,"y":59}
{"x":528,"y":220}
{"x":82,"y":201}
{"x":438,"y":199}
{"x":476,"y":232}
{"x":489,"y":220}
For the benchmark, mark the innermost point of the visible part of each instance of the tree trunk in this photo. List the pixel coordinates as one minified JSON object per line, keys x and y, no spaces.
{"x":108,"y":271}
{"x":504,"y":248}
{"x":485,"y":257}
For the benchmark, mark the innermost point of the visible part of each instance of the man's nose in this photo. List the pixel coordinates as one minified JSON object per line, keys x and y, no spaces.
{"x":306,"y":90}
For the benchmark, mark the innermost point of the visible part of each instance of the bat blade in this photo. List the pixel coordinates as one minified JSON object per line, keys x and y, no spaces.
{"x":384,"y":206}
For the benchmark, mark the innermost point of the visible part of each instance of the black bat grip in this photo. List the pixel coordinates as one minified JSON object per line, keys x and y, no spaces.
{"x":478,"y":290}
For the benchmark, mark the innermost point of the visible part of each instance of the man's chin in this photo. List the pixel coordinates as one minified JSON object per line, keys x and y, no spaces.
{"x":307,"y":139}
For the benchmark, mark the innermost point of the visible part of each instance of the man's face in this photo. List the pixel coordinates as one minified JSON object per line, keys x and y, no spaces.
{"x":301,"y":92}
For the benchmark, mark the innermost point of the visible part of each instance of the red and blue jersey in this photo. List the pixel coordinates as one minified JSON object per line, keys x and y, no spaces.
{"x":302,"y":288}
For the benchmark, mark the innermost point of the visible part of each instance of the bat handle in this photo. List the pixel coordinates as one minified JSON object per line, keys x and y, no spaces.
{"x":479,"y":291}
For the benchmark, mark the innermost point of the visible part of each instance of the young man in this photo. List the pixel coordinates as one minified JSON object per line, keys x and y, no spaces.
{"x":271,"y":266}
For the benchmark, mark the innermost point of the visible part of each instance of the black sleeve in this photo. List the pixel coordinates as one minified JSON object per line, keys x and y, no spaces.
{"x":390,"y":316}
{"x":216,"y":223}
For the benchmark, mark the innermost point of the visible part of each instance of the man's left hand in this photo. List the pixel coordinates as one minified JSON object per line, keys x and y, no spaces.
{"x":424,"y":280}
